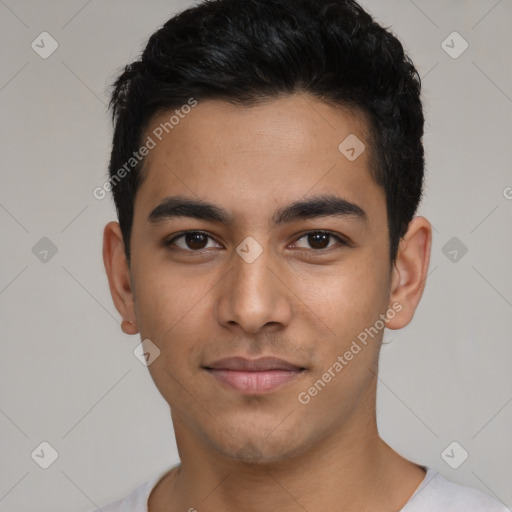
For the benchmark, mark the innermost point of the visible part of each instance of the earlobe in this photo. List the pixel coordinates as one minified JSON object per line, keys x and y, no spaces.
{"x":410,"y":272}
{"x":118,"y":274}
{"x":129,"y":327}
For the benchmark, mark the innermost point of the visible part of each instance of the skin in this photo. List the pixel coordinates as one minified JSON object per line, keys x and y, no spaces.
{"x":297,"y":301}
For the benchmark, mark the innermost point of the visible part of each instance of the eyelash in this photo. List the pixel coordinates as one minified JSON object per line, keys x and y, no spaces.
{"x":169,"y":242}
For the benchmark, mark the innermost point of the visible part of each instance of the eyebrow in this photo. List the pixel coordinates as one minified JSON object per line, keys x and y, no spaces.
{"x":314,"y":207}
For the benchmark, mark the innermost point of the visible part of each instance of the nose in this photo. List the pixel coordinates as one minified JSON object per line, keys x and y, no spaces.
{"x":253,"y":295}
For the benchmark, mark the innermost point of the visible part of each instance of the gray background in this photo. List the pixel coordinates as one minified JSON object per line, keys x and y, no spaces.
{"x":68,"y":374}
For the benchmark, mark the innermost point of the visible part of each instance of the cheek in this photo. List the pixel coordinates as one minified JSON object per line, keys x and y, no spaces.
{"x":167,"y":301}
{"x":171,"y":312}
{"x":345,"y":299}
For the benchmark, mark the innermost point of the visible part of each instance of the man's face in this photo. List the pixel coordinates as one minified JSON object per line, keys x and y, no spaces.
{"x":261,"y":286}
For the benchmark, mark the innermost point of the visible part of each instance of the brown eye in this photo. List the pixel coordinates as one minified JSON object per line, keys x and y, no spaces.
{"x":319,"y":240}
{"x":191,"y":241}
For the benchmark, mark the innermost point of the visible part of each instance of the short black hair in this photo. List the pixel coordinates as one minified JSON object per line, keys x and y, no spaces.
{"x":249,"y":51}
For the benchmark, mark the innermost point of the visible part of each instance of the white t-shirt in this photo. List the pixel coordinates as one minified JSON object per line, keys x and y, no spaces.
{"x":434,"y":494}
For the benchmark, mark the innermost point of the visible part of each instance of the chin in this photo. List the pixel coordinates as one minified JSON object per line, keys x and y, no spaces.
{"x":259,"y":449}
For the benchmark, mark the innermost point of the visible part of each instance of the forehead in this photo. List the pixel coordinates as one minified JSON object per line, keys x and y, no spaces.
{"x":250,"y":159}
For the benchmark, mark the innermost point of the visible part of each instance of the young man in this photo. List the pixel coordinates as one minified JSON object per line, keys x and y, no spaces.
{"x":266,"y":167}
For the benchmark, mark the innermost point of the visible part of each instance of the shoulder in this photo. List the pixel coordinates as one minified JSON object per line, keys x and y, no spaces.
{"x":136,"y":501}
{"x":436,"y":493}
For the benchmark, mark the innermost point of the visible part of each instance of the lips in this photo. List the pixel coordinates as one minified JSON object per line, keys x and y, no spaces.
{"x":253,"y":376}
{"x":252,"y":365}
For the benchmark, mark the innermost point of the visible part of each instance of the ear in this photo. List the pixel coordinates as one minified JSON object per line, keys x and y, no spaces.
{"x":118,"y":273}
{"x":410,"y":272}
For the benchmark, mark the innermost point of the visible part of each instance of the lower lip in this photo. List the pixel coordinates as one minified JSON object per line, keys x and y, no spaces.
{"x":253,"y":383}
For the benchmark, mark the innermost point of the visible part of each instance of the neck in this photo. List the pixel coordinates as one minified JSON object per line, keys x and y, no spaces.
{"x":352,"y":469}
